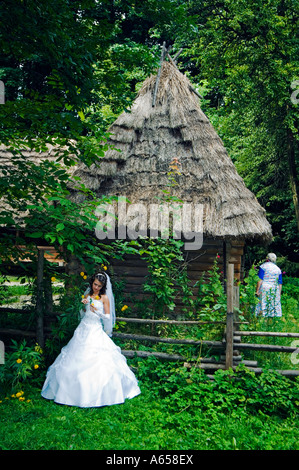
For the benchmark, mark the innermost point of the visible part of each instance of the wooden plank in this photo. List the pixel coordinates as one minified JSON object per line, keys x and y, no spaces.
{"x":157,"y":339}
{"x":202,"y":267}
{"x":132,"y":271}
{"x":173,"y":357}
{"x":159,"y":73}
{"x":287,"y":372}
{"x":128,"y":261}
{"x":39,"y":299}
{"x":266,"y":347}
{"x":267,"y":333}
{"x":158,"y":355}
{"x":50,"y":253}
{"x":167,"y":322}
{"x":134,"y":281}
{"x":15,"y":310}
{"x":15,"y":332}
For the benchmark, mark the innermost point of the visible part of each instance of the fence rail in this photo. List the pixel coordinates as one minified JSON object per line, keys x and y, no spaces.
{"x":267,"y":333}
{"x":159,"y":339}
{"x":229,"y":346}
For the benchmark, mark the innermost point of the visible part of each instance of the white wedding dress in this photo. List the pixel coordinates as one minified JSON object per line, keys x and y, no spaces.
{"x":90,"y":371}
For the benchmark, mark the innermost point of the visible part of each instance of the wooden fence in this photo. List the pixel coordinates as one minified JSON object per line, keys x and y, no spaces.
{"x":228,"y":349}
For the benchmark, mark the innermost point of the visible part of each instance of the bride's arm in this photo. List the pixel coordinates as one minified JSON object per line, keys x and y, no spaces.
{"x":96,"y":310}
{"x":106,"y":305}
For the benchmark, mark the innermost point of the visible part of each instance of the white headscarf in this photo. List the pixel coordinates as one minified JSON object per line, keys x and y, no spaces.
{"x":271,"y":257}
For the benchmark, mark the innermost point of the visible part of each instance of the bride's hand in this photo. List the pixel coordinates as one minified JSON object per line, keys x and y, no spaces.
{"x":84,"y":301}
{"x":93,"y":308}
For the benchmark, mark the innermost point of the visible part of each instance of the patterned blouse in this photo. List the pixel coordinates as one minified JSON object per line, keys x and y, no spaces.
{"x":270,"y":273}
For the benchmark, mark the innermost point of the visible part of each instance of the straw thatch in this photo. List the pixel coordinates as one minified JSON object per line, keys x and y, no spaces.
{"x":148,"y":138}
{"x":144,"y":143}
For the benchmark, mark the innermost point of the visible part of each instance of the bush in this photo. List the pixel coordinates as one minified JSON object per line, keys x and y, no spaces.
{"x":22,"y":365}
{"x":242,"y":390}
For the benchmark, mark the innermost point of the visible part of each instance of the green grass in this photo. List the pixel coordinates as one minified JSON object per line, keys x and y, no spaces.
{"x":150,"y":421}
{"x":10,"y":293}
{"x":177,"y":409}
{"x":138,"y":424}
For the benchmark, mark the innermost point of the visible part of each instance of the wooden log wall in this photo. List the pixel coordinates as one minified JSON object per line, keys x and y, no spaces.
{"x":133,"y":270}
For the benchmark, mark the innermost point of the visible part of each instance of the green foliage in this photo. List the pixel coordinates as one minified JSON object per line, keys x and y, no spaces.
{"x":211,"y":298}
{"x":248,"y":53}
{"x":166,"y":272}
{"x":53,"y":77}
{"x":248,"y":299}
{"x":291,"y":287}
{"x":194,"y":413}
{"x":22,"y":363}
{"x":61,"y":332}
{"x":238,"y":391}
{"x":39,"y":196}
{"x":10,"y":293}
{"x":163,"y":258}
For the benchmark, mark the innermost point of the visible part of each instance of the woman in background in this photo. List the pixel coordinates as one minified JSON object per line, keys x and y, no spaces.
{"x":269,"y":288}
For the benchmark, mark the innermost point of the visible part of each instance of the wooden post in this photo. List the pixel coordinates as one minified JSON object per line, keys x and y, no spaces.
{"x":159,"y":73}
{"x":230,"y":317}
{"x":39,"y":299}
{"x":177,"y":55}
{"x":48,"y":295}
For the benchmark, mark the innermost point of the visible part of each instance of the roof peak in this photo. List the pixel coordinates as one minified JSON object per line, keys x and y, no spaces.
{"x":165,"y":53}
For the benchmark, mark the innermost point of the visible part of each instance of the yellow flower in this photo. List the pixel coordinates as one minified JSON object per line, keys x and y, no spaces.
{"x":124,"y":308}
{"x":36,"y":366}
{"x":82,"y":274}
{"x":13,"y":396}
{"x":53,"y":279}
{"x":104,"y":267}
{"x":97,"y":297}
{"x":21,"y":398}
{"x":38,"y":348}
{"x":82,"y":296}
{"x":19,"y":361}
{"x":84,"y":277}
{"x":28,"y":401}
{"x":19,"y":394}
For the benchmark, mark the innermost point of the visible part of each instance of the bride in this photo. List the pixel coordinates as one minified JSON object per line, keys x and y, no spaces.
{"x":90,"y":371}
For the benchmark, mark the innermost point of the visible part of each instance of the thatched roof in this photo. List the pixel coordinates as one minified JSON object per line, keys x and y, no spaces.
{"x":146,"y":141}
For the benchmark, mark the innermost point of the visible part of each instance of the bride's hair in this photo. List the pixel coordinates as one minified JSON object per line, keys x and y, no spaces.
{"x":101,"y":277}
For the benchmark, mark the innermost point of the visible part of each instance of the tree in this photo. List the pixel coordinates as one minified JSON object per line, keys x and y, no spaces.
{"x":68,"y":69}
{"x":248,"y":53}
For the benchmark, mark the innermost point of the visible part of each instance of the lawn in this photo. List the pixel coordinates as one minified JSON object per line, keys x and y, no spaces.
{"x":216,"y":418}
{"x":178,"y":409}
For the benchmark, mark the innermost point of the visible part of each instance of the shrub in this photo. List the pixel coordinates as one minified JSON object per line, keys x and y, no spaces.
{"x":211,"y":298}
{"x":240,"y":391}
{"x":22,"y":363}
